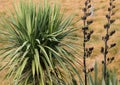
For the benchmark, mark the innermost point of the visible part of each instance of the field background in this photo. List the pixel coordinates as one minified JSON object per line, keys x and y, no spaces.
{"x":74,"y":7}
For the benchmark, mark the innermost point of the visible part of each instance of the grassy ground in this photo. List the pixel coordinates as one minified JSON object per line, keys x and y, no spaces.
{"x":75,"y":6}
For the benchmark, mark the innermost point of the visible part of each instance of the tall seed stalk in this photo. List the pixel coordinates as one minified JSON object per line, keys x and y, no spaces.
{"x":86,"y":35}
{"x":108,"y":34}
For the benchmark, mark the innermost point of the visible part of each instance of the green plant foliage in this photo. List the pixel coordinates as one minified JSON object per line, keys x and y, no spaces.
{"x":34,"y":49}
{"x":111,"y":79}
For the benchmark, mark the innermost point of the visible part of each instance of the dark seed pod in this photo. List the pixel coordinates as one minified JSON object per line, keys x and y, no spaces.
{"x":112,"y":32}
{"x":102,"y":50}
{"x":113,"y":13}
{"x":108,"y":59}
{"x":113,"y":45}
{"x":107,"y":37}
{"x":91,"y":69}
{"x":108,"y":16}
{"x":84,"y":18}
{"x":89,"y":6}
{"x":85,"y":28}
{"x":91,"y":48}
{"x":88,"y":36}
{"x":88,"y":14}
{"x":102,"y":62}
{"x":89,"y":22}
{"x":112,"y":58}
{"x":86,"y":3}
{"x":106,"y":26}
{"x":106,"y":52}
{"x":112,"y":21}
{"x":110,"y":3}
{"x":89,"y":1}
{"x":113,"y":6}
{"x":91,"y":32}
{"x":84,"y":9}
{"x":109,"y":9}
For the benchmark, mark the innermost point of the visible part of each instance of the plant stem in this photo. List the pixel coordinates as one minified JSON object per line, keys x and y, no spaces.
{"x":105,"y":60}
{"x":106,"y":43}
{"x":85,"y":73}
{"x":86,"y":36}
{"x":84,"y":58}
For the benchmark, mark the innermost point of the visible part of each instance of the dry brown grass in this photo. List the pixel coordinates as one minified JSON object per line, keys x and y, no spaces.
{"x":75,"y":6}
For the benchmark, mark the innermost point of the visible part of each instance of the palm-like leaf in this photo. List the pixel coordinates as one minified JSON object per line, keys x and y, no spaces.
{"x":34,"y":49}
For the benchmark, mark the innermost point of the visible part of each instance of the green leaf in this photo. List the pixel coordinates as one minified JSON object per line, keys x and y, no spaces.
{"x":46,"y":56}
{"x":33,"y":68}
{"x":103,"y":82}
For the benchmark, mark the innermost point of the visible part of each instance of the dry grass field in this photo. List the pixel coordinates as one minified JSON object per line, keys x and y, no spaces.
{"x":74,"y":7}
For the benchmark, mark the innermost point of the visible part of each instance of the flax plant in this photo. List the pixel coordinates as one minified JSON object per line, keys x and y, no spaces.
{"x":87,"y":35}
{"x":33,"y":46}
{"x":105,"y":49}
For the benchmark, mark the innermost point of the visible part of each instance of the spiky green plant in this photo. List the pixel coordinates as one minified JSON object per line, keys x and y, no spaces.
{"x":34,"y":50}
{"x":112,"y":79}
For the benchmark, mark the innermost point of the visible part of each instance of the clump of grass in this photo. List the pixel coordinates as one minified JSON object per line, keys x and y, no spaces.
{"x":112,"y":80}
{"x":105,"y":49}
{"x":35,"y":51}
{"x":87,"y":35}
